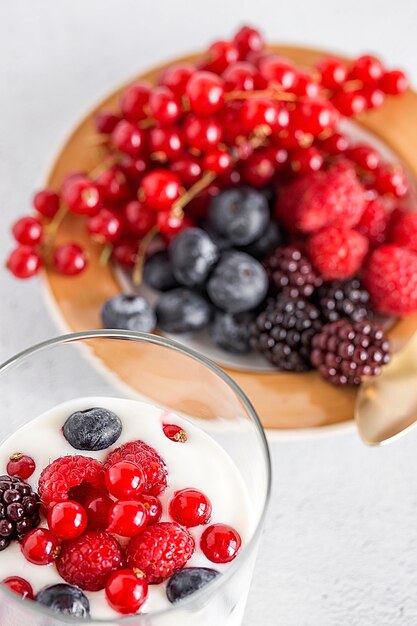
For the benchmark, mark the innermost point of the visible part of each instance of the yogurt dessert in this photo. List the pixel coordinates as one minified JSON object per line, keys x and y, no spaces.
{"x":112,"y":507}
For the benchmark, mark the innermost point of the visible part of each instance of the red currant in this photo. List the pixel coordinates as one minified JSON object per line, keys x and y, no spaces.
{"x":258,"y":169}
{"x":333,"y":72}
{"x":127,"y":518}
{"x":278,"y":156}
{"x":128,"y":138}
{"x":82,"y":196}
{"x":138,"y":218}
{"x":106,"y":226}
{"x":176,"y":77}
{"x":40,"y":547}
{"x":394,"y":82}
{"x":217,"y":160}
{"x":368,"y":69}
{"x":305,"y":85}
{"x":114,"y":185}
{"x":305,"y":161}
{"x":248,"y":39}
{"x":134,"y":100}
{"x":153,"y":508}
{"x":24,"y":262}
{"x":70,"y":259}
{"x":21,"y":465}
{"x":19,"y":586}
{"x":364,"y":156}
{"x":230,"y":124}
{"x":175,"y":433}
{"x":220,"y":55}
{"x":315,"y":116}
{"x":126,"y":591}
{"x":170,"y":225}
{"x":97,"y":507}
{"x":46,"y":202}
{"x":202,"y":133}
{"x":165,"y":144}
{"x":189,"y":170}
{"x":279,"y":70}
{"x":105,"y":122}
{"x":240,"y":76}
{"x":67,"y":520}
{"x":335,"y":144}
{"x":374,"y":97}
{"x":349,"y":103}
{"x":220,"y":543}
{"x":392,"y":180}
{"x":259,"y":113}
{"x":134,"y":169}
{"x":164,"y":106}
{"x":125,"y":480}
{"x":71,"y":177}
{"x":125,"y":252}
{"x":205,"y":92}
{"x":28,"y":231}
{"x":190,"y":507}
{"x":160,"y":188}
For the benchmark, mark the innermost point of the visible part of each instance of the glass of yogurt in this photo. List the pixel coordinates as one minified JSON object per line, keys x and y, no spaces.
{"x":171,"y":438}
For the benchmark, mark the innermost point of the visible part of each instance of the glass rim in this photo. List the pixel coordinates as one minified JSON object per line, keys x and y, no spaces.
{"x":218,"y":582}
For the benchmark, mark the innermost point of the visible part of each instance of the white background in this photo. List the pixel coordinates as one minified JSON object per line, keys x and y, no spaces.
{"x":340,"y":546}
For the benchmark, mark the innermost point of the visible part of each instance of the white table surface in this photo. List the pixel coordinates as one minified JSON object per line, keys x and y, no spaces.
{"x":340,"y":546}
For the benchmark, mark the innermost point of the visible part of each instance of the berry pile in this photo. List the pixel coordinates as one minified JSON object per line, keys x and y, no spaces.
{"x":101,"y":521}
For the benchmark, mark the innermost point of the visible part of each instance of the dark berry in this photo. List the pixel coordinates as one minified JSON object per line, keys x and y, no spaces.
{"x":158,"y":273}
{"x":64,"y":599}
{"x":290,"y":272}
{"x":266,"y":243}
{"x":182,"y":310}
{"x":19,"y":509}
{"x":344,"y":299}
{"x":188,"y":581}
{"x":92,"y":429}
{"x":231,"y":332}
{"x":239,"y":214}
{"x":193,"y":255}
{"x":128,"y":312}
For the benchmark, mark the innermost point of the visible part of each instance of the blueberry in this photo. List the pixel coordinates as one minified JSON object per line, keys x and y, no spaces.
{"x":231,"y":332}
{"x":182,"y":310}
{"x":193,"y":254}
{"x":270,"y":239}
{"x":157,"y":272}
{"x":240,"y":214}
{"x":65,"y":599}
{"x":128,"y":313}
{"x":188,"y":581}
{"x":220,"y":240}
{"x":92,"y":429}
{"x":238,"y":283}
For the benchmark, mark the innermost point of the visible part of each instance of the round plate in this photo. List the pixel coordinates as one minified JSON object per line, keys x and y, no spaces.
{"x":282,"y":400}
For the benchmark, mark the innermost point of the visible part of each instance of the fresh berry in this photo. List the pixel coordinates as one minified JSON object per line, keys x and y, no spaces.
{"x":290,"y":272}
{"x":306,"y":160}
{"x":231,"y":332}
{"x":105,"y":226}
{"x":165,"y":144}
{"x":82,"y":196}
{"x":241,"y":76}
{"x":350,"y":103}
{"x":19,"y":509}
{"x":366,"y":68}
{"x":266,"y":243}
{"x":193,"y":255}
{"x":88,"y":561}
{"x":67,"y":472}
{"x":403,"y":230}
{"x":220,"y":55}
{"x":46,"y":202}
{"x":97,"y":507}
{"x":153,"y":508}
{"x":105,"y":121}
{"x":282,"y":333}
{"x":335,"y":145}
{"x":28,"y":231}
{"x":65,"y":599}
{"x":40,"y":547}
{"x":187,"y":581}
{"x":127,"y":518}
{"x":391,"y":179}
{"x":314,"y":116}
{"x":364,"y":156}
{"x":92,"y":429}
{"x":176,"y":77}
{"x":114,"y":185}
{"x":241,"y":215}
{"x":202,"y":133}
{"x":337,"y":253}
{"x":158,"y":273}
{"x":67,"y":520}
{"x":145,"y":457}
{"x":134,"y":167}
{"x":333,"y":72}
{"x":160,"y":550}
{"x":247,"y":40}
{"x":24,"y":262}
{"x":374,"y":222}
{"x":175,"y":433}
{"x":220,"y":543}
{"x":345,"y":352}
{"x":344,"y":299}
{"x":217,"y":160}
{"x":125,"y":252}
{"x":128,"y":312}
{"x":164,"y":106}
{"x":188,"y":168}
{"x":126,"y":591}
{"x":138,"y":218}
{"x":20,"y":465}
{"x":170,"y":225}
{"x":125,"y":480}
{"x":394,"y":82}
{"x":134,"y":100}
{"x":19,"y":586}
{"x":238,"y":283}
{"x":205,"y":92}
{"x":391,"y":279}
{"x":70,"y":259}
{"x":279,"y":71}
{"x":160,"y":188}
{"x":182,"y":310}
{"x":128,"y":138}
{"x":190,"y":507}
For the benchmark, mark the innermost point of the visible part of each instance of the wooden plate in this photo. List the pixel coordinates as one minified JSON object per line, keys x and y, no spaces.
{"x":283,"y":401}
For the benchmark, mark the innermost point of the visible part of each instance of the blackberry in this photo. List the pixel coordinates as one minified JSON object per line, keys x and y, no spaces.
{"x":19,"y":509}
{"x":344,"y":299}
{"x":284,"y":330}
{"x":290,"y":272}
{"x":345,"y":352}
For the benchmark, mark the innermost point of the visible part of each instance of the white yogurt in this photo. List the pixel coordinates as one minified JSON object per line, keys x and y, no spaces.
{"x":200,"y":463}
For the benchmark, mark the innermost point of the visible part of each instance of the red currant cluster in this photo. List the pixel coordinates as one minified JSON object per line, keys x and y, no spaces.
{"x":239,"y":115}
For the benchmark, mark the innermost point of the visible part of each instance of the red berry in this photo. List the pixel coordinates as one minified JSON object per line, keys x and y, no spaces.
{"x":67,"y":520}
{"x":217,"y":160}
{"x":170,"y":224}
{"x":70,"y":259}
{"x":394,"y":82}
{"x":82,"y":195}
{"x":278,"y":156}
{"x":333,"y":72}
{"x":202,"y":133}
{"x":125,"y":252}
{"x":19,"y":586}
{"x":134,"y":100}
{"x":230,"y":124}
{"x":335,"y":144}
{"x":305,"y":85}
{"x":175,"y":433}
{"x":126,"y":591}
{"x":160,"y":188}
{"x":88,"y":561}
{"x":391,"y":179}
{"x":205,"y":92}
{"x":164,"y":106}
{"x":160,"y":550}
{"x":40,"y":547}
{"x":188,"y":169}
{"x":21,"y":465}
{"x":349,"y":103}
{"x":240,"y":76}
{"x":176,"y":77}
{"x":127,"y":518}
{"x":128,"y":138}
{"x":248,"y":39}
{"x":28,"y":231}
{"x":337,"y":253}
{"x":220,"y":543}
{"x":114,"y":185}
{"x":374,"y":97}
{"x":105,"y":122}
{"x":305,"y":161}
{"x":278,"y":70}
{"x":153,"y":508}
{"x":106,"y":226}
{"x":190,"y":507}
{"x":315,"y":116}
{"x":259,"y":113}
{"x":258,"y":169}
{"x":97,"y":507}
{"x":134,"y":169}
{"x":403,"y":229}
{"x":67,"y":472}
{"x":165,"y":144}
{"x":367,"y":69}
{"x":374,"y":223}
{"x":145,"y":457}
{"x":138,"y":218}
{"x":24,"y":262}
{"x":125,"y":480}
{"x":364,"y":156}
{"x":46,"y":202}
{"x":220,"y":55}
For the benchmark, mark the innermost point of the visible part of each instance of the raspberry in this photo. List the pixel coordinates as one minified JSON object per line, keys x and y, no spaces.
{"x":148,"y":459}
{"x":374,"y":223}
{"x":89,"y":560}
{"x":345,"y":352}
{"x":160,"y":550}
{"x":403,"y":229}
{"x":290,"y":272}
{"x":391,"y":279}
{"x":337,"y":253}
{"x":334,"y":197}
{"x":66,"y":473}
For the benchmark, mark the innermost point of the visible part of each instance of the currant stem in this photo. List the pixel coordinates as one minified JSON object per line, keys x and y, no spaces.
{"x":109,"y":161}
{"x":106,"y":254}
{"x":198,"y":187}
{"x":273,"y":94}
{"x":140,"y":259}
{"x":53,"y":226}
